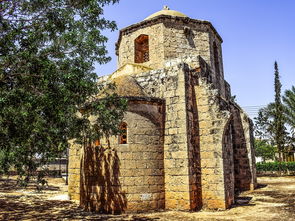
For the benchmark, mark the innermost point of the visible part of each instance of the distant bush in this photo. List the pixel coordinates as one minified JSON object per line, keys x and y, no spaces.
{"x":274,"y":166}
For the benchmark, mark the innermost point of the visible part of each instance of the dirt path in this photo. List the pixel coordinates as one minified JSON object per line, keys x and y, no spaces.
{"x":274,"y":200}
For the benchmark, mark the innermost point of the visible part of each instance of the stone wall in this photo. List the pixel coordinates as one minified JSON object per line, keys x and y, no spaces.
{"x":171,"y":38}
{"x":243,"y":174}
{"x":183,"y":160}
{"x":187,"y":147}
{"x":207,"y":147}
{"x":127,"y":177}
{"x":218,"y":80}
{"x":217,"y":183}
{"x":142,"y":165}
{"x":181,"y":39}
{"x":228,"y":165}
{"x":142,"y":157}
{"x":74,"y":171}
{"x":126,"y":51}
{"x":246,"y":150}
{"x":249,"y":136}
{"x":170,"y":85}
{"x":100,"y":184}
{"x":194,"y":144}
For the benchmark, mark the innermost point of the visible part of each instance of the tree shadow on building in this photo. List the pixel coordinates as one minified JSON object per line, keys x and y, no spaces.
{"x":100,"y":188}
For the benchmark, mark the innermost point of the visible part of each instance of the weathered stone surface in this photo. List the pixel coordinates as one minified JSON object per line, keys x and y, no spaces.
{"x":188,"y":146}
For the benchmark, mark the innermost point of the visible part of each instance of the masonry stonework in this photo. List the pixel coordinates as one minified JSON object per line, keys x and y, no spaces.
{"x":189,"y":146}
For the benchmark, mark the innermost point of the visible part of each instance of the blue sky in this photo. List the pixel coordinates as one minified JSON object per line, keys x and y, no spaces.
{"x":255,"y":33}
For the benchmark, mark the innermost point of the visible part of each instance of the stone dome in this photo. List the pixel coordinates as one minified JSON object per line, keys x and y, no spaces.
{"x":166,"y":11}
{"x":127,"y":86}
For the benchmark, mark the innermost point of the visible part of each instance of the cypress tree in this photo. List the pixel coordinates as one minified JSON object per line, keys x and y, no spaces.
{"x":279,"y":128}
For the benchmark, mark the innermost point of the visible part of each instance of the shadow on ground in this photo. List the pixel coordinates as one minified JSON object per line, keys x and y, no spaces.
{"x":10,"y":185}
{"x":244,"y":200}
{"x":274,"y":201}
{"x":17,"y":203}
{"x":287,"y":199}
{"x":273,"y":195}
{"x":22,"y":208}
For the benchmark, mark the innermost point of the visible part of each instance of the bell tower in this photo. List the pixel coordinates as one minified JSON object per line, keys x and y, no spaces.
{"x":167,"y":35}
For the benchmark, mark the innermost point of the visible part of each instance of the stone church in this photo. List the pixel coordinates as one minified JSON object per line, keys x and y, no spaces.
{"x":185,"y":144}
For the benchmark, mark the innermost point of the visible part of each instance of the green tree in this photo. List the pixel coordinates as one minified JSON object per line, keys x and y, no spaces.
{"x":279,"y":120}
{"x":289,"y":111}
{"x":101,"y":117}
{"x":48,"y":49}
{"x":289,"y":108}
{"x":270,"y":123}
{"x":264,"y":150}
{"x":264,"y":123}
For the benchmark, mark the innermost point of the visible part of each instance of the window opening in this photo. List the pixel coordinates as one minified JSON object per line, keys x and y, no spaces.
{"x":141,"y":49}
{"x":123,"y":135}
{"x":216,"y":63}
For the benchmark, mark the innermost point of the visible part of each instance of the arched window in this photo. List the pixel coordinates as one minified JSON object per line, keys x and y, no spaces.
{"x":216,"y":63}
{"x":141,"y":45}
{"x":123,"y":135}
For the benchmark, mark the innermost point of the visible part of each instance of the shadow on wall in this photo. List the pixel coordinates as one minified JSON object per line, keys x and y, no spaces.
{"x":100,"y":185}
{"x":228,"y":164}
{"x":189,"y":34}
{"x":195,"y":155}
{"x":242,"y":167}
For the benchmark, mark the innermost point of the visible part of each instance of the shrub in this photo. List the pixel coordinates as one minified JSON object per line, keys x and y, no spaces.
{"x":275,"y":166}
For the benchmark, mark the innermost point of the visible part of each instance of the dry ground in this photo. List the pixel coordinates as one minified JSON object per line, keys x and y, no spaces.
{"x":273,"y":200}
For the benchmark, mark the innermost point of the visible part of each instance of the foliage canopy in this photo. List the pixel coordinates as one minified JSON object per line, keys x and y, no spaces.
{"x":264,"y":150}
{"x":272,"y":120}
{"x":289,"y":108}
{"x":47,"y":53}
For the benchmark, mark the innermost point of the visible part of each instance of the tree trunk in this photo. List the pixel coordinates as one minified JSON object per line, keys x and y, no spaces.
{"x":280,"y":162}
